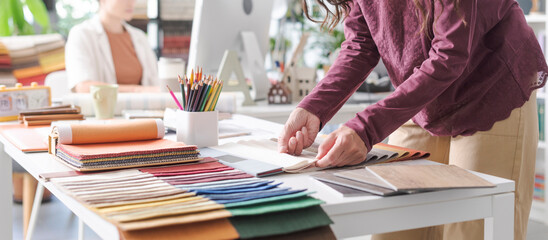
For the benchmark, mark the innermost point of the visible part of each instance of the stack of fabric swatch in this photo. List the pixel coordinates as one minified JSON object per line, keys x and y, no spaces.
{"x":203,"y":200}
{"x":33,"y":57}
{"x":540,"y":188}
{"x":117,"y":144}
{"x":6,"y":78}
{"x":266,"y":150}
{"x":102,"y":156}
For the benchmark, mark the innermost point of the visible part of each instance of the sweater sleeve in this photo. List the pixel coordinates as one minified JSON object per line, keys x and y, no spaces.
{"x":356,"y":59}
{"x":447,"y":59}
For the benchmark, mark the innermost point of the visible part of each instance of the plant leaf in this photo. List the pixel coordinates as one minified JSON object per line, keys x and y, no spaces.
{"x":40,"y":13}
{"x":17,"y":13}
{"x":5,"y":15}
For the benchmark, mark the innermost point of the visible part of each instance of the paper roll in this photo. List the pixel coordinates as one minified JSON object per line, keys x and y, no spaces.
{"x":117,"y":131}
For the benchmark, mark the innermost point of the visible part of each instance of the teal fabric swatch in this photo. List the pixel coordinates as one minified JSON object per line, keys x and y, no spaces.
{"x":269,"y":199}
{"x":277,"y":206}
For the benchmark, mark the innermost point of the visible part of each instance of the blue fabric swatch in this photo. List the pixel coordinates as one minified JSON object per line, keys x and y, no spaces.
{"x":238,"y":188}
{"x":257,"y":196}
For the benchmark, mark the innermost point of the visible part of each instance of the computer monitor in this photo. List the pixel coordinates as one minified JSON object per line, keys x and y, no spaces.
{"x":218,"y":26}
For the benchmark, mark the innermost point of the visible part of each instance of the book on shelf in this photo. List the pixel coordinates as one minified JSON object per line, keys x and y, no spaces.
{"x":539,"y":191}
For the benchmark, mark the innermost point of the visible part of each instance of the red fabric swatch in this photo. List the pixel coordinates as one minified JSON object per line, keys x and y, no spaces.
{"x":184,"y":167}
{"x":213,"y":179}
{"x":191,"y":172}
{"x":200,"y":176}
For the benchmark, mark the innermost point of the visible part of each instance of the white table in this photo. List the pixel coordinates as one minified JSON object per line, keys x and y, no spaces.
{"x":353,"y":216}
{"x":279,"y":113}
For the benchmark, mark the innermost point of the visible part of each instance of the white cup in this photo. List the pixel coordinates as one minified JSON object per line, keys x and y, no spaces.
{"x":104,"y":100}
{"x":198,"y":128}
{"x":168,"y":70}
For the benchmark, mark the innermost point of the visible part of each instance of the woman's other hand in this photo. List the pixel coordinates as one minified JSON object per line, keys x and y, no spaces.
{"x":299,"y":132}
{"x":342,"y":147}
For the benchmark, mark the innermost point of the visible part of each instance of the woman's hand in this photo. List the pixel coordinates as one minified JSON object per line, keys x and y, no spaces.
{"x":299,"y":132}
{"x":342,"y":147}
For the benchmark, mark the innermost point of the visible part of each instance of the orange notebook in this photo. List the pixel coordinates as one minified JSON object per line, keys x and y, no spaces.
{"x":27,"y":139}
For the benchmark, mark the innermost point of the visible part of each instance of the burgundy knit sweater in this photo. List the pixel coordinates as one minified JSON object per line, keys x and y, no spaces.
{"x":479,"y":64}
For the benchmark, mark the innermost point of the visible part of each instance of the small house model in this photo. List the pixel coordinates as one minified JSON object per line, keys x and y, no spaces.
{"x":300,"y":80}
{"x":279,"y":93}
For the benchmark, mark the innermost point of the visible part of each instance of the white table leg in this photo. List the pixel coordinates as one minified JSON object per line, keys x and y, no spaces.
{"x":501,"y":225}
{"x":6,"y":196}
{"x":35,"y":209}
{"x":80,"y":229}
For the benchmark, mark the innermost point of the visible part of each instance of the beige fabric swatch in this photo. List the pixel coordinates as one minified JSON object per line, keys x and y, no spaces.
{"x":139,"y":201}
{"x":180,"y":219}
{"x":166,"y":210}
{"x":150,"y":204}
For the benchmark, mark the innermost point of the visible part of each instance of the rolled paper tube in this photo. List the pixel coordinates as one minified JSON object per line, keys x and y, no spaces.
{"x":116,"y":131}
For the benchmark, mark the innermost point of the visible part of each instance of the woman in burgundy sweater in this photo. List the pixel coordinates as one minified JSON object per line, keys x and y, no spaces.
{"x":465,"y":74}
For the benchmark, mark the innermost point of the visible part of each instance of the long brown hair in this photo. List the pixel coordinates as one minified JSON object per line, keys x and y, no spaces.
{"x":342,"y":8}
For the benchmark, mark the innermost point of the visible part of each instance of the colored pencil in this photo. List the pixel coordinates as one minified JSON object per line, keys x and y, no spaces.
{"x":191,"y":98}
{"x":200,"y":93}
{"x":181,"y":84}
{"x":174,"y":98}
{"x":187,"y":87}
{"x":206,"y":96}
{"x":211,"y":95}
{"x":217,"y":97}
{"x":191,"y":78}
{"x":197,"y":97}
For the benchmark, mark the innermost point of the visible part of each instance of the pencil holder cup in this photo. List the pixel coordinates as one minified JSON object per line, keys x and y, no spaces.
{"x":198,"y":128}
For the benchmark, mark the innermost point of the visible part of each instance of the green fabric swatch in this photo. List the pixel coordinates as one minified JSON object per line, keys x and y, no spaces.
{"x":277,"y":206}
{"x":270,"y":199}
{"x":280,"y":222}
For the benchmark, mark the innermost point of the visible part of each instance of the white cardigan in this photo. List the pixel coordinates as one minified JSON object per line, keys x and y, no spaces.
{"x":88,"y":55}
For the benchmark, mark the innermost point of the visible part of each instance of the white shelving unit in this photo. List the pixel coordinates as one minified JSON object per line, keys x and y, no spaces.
{"x":539,"y":210}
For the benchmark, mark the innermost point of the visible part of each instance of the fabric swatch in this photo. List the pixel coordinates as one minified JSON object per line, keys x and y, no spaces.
{"x":213,"y":229}
{"x":172,"y":220}
{"x":268,"y":199}
{"x":256,"y":196}
{"x":280,"y":222}
{"x":212,"y":179}
{"x":238,"y":190}
{"x":219,"y":184}
{"x":277,"y":206}
{"x":236,"y":186}
{"x":182,"y":168}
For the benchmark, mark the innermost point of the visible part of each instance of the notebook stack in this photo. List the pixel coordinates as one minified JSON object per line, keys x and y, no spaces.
{"x":33,"y":57}
{"x":44,"y":116}
{"x":202,"y":200}
{"x":6,"y":77}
